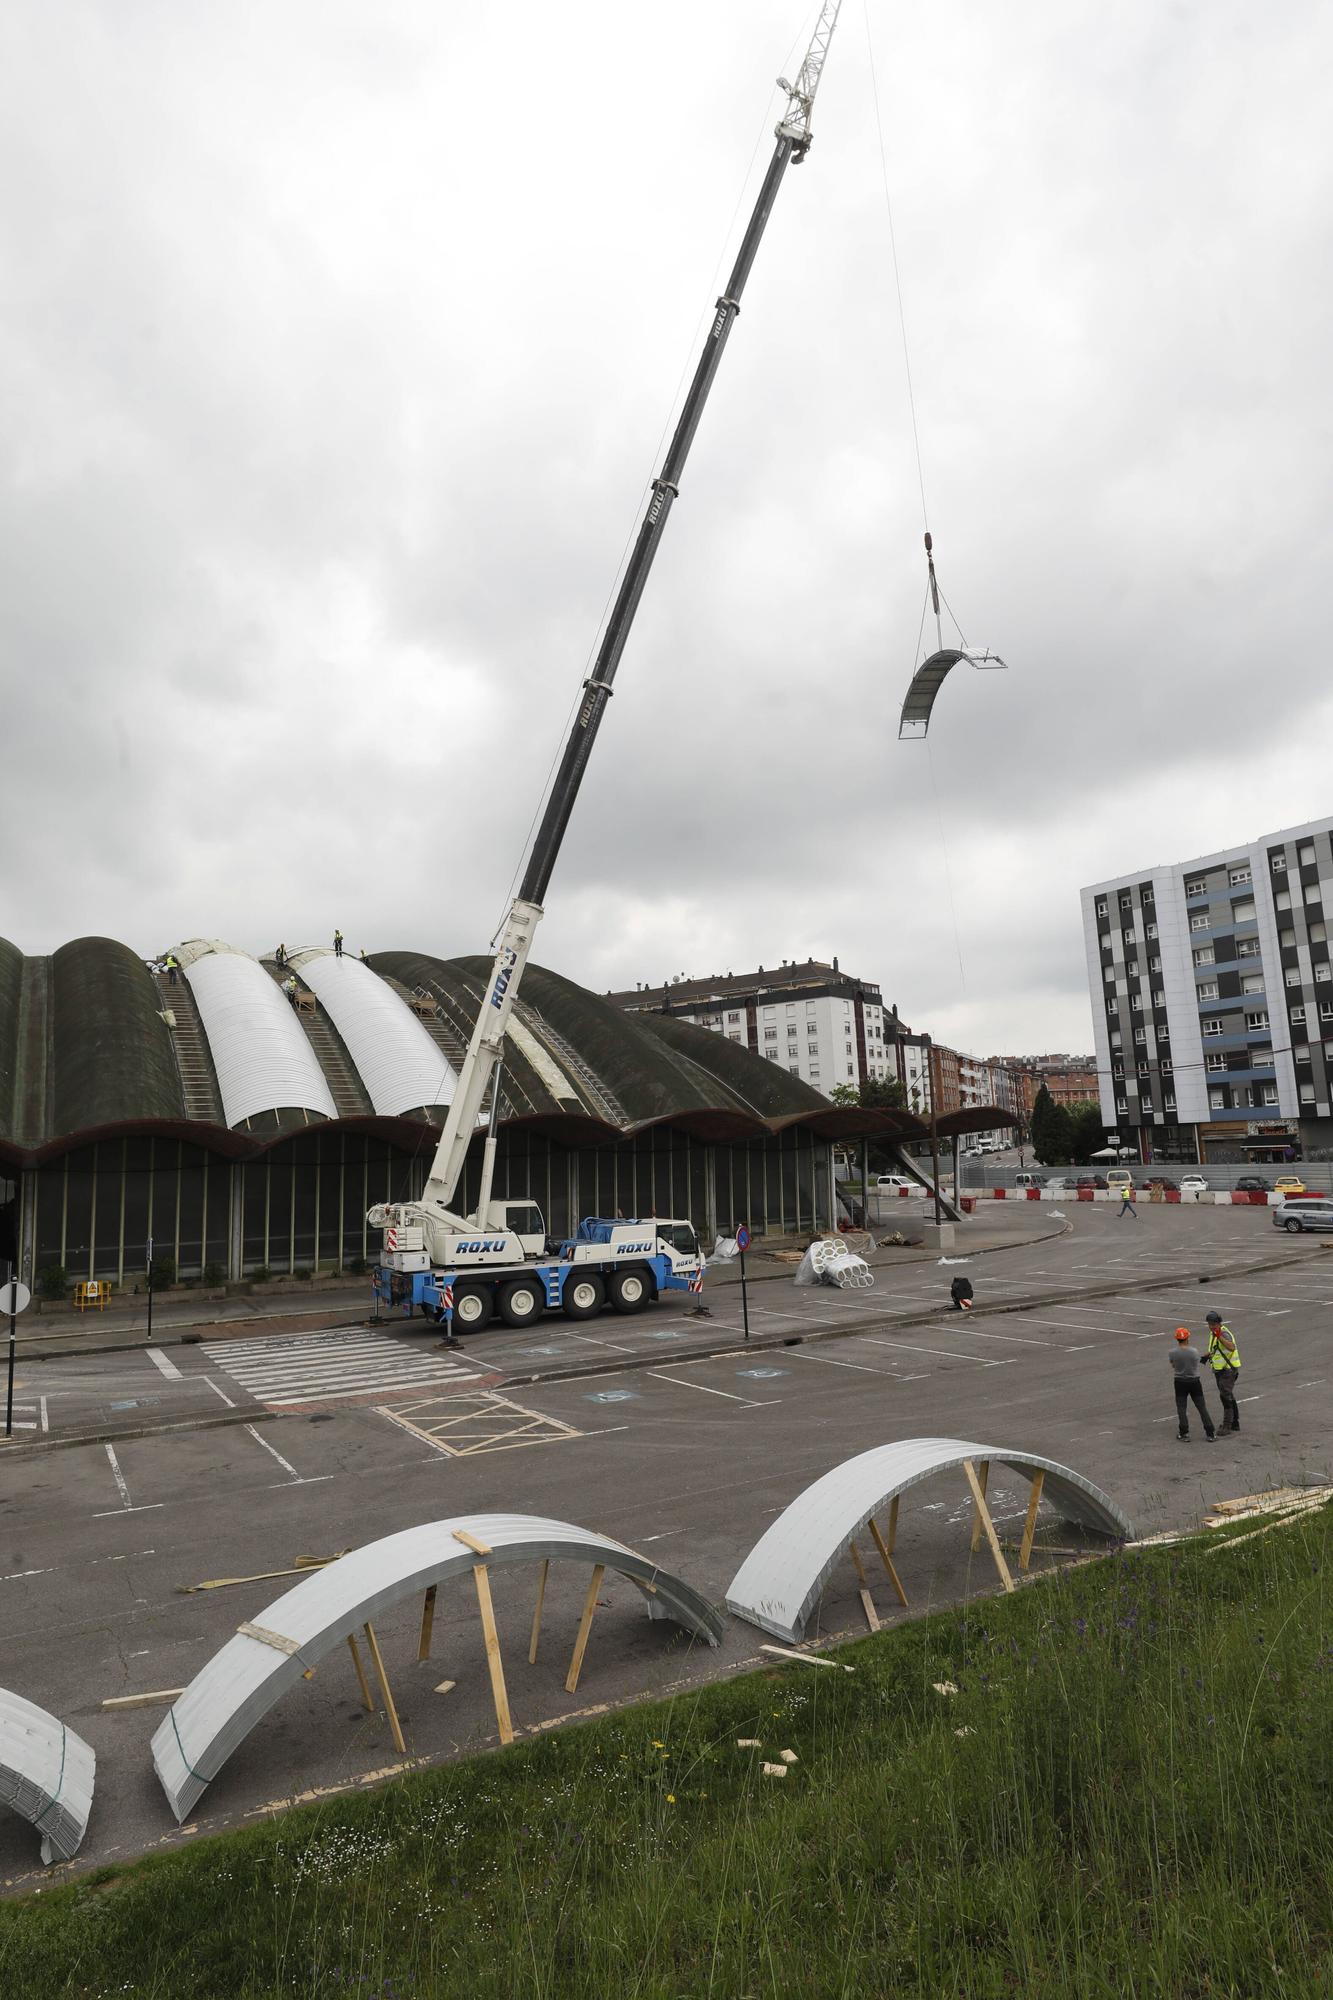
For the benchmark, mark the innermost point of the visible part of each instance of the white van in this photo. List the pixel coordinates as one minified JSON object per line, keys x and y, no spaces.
{"x":1119,"y":1177}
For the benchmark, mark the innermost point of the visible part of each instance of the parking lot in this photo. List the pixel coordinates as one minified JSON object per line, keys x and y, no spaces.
{"x":234,"y":1458}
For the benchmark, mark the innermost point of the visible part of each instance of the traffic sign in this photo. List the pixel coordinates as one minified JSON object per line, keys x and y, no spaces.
{"x":14,"y":1297}
{"x":742,"y":1238}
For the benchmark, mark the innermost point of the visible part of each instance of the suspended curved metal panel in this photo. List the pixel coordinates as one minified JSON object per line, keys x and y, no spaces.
{"x":228,"y":1696}
{"x":46,"y":1775}
{"x":259,"y":1049}
{"x":397,"y":1061}
{"x":782,"y":1579}
{"x":927,"y":681}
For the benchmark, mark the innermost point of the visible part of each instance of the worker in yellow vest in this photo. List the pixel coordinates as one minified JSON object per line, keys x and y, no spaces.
{"x":1224,"y":1356}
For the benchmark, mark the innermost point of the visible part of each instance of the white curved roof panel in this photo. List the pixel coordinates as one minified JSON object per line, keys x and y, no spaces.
{"x":259,"y":1048}
{"x":783,"y":1577}
{"x":241,"y":1683}
{"x":46,"y":1774}
{"x":397,"y":1061}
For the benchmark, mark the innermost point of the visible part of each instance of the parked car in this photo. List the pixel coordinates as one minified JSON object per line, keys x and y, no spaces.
{"x":1286,"y":1184}
{"x":1119,"y":1177}
{"x":1090,"y":1181}
{"x":890,"y":1184}
{"x":1193,"y":1184}
{"x":1165,"y":1182}
{"x":1061,"y":1184}
{"x":1029,"y":1180}
{"x":1295,"y":1216}
{"x":1253,"y":1184}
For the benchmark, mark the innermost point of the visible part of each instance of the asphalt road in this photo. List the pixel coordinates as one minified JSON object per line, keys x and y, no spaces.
{"x":325,"y":1443}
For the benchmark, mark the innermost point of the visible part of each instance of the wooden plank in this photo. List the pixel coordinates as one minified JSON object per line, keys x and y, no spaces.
{"x":979,"y":1508}
{"x":867,"y":1601}
{"x":1030,"y":1523}
{"x":427,"y":1624}
{"x":389,"y":1709}
{"x":808,"y":1659}
{"x":361,"y":1680}
{"x":983,"y":1514}
{"x":887,"y":1559}
{"x":585,"y":1626}
{"x":537,"y":1613}
{"x":143,"y":1700}
{"x":471,"y":1542}
{"x":278,"y":1640}
{"x":494,"y":1662}
{"x":893,"y":1524}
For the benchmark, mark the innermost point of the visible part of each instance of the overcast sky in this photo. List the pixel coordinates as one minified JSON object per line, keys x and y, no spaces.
{"x":337,"y":345}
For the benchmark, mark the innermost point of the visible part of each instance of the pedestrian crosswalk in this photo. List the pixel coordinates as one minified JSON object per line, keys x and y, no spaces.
{"x":342,"y":1365}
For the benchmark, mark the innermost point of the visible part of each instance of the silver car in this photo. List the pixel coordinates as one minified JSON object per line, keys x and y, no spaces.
{"x":1296,"y":1216}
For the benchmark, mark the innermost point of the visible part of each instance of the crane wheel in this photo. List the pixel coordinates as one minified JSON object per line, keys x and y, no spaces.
{"x":630,"y":1290}
{"x":584,"y":1296}
{"x":521,"y":1302}
{"x":472,"y":1308}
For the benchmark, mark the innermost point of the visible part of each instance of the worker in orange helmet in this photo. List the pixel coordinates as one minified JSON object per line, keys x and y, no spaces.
{"x":1184,"y":1359}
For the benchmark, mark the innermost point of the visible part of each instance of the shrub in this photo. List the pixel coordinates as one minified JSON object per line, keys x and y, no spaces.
{"x":215,"y":1274}
{"x":302,"y":1272}
{"x":53,"y":1281}
{"x":261,"y":1274}
{"x":164,"y":1272}
{"x":356,"y":1267}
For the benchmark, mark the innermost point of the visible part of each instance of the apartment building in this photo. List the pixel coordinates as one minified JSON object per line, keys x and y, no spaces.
{"x":1212,"y":1000}
{"x":819,"y":1022}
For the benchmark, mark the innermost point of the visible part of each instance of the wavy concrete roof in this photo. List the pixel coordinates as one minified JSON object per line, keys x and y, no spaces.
{"x":87,"y":1049}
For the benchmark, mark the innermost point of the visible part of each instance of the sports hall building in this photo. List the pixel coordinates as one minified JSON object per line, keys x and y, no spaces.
{"x":243,"y":1124}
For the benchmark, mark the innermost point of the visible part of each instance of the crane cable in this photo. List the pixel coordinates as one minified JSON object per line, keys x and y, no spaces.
{"x":934,"y":595}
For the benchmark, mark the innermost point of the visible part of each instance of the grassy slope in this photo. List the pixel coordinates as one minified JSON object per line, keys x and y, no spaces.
{"x":1129,"y":1795}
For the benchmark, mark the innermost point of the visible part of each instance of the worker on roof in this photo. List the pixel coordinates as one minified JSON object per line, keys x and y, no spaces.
{"x":337,"y":944}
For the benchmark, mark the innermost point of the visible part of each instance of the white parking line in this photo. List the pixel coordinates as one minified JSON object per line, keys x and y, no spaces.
{"x":705,"y":1391}
{"x":160,"y":1361}
{"x":273,"y":1451}
{"x":939,"y":1353}
{"x":827,"y":1361}
{"x":126,"y":1506}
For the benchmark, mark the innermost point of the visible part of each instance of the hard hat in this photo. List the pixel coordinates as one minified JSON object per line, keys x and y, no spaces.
{"x":1182,"y":1333}
{"x":1214,"y":1319}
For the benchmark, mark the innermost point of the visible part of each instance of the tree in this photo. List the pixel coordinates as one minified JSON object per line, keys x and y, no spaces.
{"x":1089,"y":1133}
{"x":875,"y":1094}
{"x":847,"y":1095}
{"x":1052,"y":1130}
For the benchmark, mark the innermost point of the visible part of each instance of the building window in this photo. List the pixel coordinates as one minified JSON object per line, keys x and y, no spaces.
{"x":1296,"y":1014}
{"x":1128,"y":936}
{"x":1322,"y":972}
{"x":1154,"y":965}
{"x":1252,"y":982}
{"x":1141,"y":1035}
{"x":1196,"y":887}
{"x":1215,"y":1062}
{"x":1243,"y":913}
{"x":1240,"y":875}
{"x":1248,"y":948}
{"x":1136,"y":1002}
{"x":1159,"y":997}
{"x":849,"y":1048}
{"x":1206,"y":990}
{"x":1261,"y":1058}
{"x":1205,"y":955}
{"x":1217,"y":1099}
{"x":1127,"y":902}
{"x":733,"y":1019}
{"x":1318,"y":931}
{"x":1167,"y":1066}
{"x":1326,"y":1010}
{"x":1282,"y":899}
{"x":1313,"y":892}
{"x":1101,"y":910}
{"x":850,"y":1070}
{"x":795,"y":1068}
{"x":1169,"y":1103}
{"x":813,"y":1048}
{"x":1122,"y":1104}
{"x":770,"y":1034}
{"x":772,"y":1054}
{"x":1259,"y":1019}
{"x":1301,"y":1055}
{"x":1144,"y":1068}
{"x":1117,"y":1069}
{"x":1293,"y":975}
{"x":1278,"y":863}
{"x":1115,"y":1038}
{"x":1286,"y":939}
{"x":1211,"y":1026}
{"x":1307,"y":1093}
{"x":1305,"y":854}
{"x":1270,"y":1093}
{"x":1201,"y":921}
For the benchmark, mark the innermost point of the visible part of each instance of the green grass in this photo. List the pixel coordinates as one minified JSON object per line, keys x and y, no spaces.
{"x":1129,"y":1795}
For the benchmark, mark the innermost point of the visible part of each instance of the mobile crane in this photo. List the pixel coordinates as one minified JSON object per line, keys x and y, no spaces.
{"x":498,"y":1257}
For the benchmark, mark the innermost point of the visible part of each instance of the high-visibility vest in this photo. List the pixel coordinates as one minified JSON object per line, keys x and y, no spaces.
{"x":1221,"y":1356}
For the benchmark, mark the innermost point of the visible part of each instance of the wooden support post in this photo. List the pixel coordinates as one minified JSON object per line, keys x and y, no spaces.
{"x":361,"y":1680}
{"x":499,"y":1693}
{"x":394,"y":1725}
{"x":1030,"y":1524}
{"x":427,"y":1624}
{"x":884,"y":1555}
{"x":979,"y":1508}
{"x":983,"y":1514}
{"x":867,"y":1601}
{"x":537,"y":1613}
{"x":585,"y":1626}
{"x":893,"y":1523}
